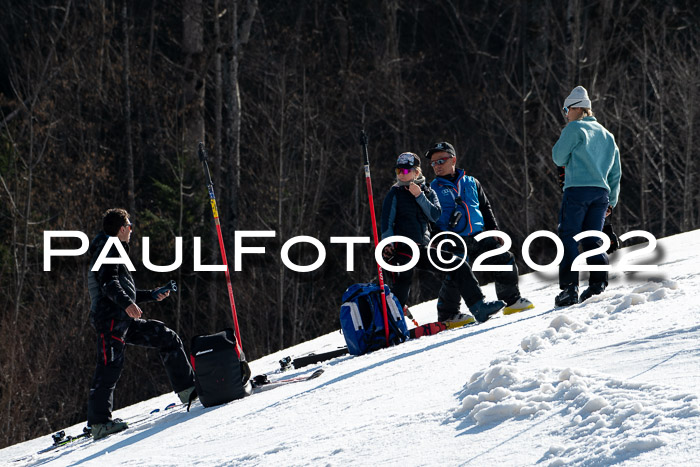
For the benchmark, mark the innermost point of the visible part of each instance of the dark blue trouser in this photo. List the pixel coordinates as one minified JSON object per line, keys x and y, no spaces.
{"x":112,"y":338}
{"x":582,"y":208}
{"x":458,"y":284}
{"x":506,"y":282}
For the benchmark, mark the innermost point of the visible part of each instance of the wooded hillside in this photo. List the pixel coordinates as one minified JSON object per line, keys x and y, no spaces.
{"x":102,"y":104}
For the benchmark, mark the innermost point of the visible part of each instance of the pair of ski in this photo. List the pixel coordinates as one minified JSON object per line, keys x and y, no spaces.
{"x":60,"y":438}
{"x":260,"y":383}
{"x":415,"y":333}
{"x":263,"y":383}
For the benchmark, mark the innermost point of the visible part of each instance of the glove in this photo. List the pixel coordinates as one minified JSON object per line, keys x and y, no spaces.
{"x":169,"y":286}
{"x":614,"y":242}
{"x":388,"y":252}
{"x":561,"y":175}
{"x":454,"y":219}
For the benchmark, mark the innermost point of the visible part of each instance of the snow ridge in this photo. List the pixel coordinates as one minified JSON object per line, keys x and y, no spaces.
{"x":596,"y":419}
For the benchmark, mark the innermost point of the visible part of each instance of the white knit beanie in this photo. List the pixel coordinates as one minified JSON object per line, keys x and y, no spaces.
{"x":578,"y":98}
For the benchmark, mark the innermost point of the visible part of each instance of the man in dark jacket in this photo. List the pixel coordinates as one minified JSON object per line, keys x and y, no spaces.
{"x":115,"y":315}
{"x":467,"y":212}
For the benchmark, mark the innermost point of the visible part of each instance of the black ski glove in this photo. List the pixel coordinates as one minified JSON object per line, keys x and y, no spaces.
{"x":614,"y":242}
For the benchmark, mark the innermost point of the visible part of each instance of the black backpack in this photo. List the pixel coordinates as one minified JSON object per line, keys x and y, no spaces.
{"x":220,"y":376}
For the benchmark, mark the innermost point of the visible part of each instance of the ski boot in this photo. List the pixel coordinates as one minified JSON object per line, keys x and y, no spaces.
{"x":100,"y":430}
{"x":520,"y":304}
{"x":567,"y":297}
{"x":457,"y":320}
{"x":594,"y":288}
{"x":482,"y":310}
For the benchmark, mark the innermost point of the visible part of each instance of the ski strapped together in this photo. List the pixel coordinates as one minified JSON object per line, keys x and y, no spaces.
{"x":380,"y":273}
{"x":203,"y":157}
{"x":263,"y":383}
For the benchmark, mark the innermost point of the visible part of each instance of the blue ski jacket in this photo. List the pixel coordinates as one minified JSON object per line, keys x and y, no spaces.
{"x":467,"y":196}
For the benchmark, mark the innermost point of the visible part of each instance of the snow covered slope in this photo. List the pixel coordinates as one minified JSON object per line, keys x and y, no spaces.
{"x":611,"y":381}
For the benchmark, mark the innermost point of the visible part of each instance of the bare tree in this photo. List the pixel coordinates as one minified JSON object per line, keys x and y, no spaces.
{"x":194,"y":76}
{"x":239,"y":27}
{"x":126,"y":76}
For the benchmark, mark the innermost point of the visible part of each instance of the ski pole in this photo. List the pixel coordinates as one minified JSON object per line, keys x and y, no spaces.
{"x":210,"y":186}
{"x":407,"y":313}
{"x":363,"y":142}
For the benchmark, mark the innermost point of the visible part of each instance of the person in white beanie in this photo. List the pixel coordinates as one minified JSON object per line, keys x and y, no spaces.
{"x":591,"y":162}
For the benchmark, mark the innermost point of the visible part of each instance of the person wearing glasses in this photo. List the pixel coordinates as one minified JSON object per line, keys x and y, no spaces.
{"x":467,"y":212}
{"x":116,"y":317}
{"x":591,"y":162}
{"x":408,"y":209}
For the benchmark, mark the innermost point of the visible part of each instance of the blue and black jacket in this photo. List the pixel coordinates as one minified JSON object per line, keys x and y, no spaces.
{"x":404,"y":214}
{"x":465,"y":194}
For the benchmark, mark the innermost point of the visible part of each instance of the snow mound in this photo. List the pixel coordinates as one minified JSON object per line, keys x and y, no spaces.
{"x":597,"y":420}
{"x":593,"y":419}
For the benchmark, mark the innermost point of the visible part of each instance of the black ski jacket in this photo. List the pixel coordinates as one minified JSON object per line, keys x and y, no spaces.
{"x":112,"y":288}
{"x":404,"y":214}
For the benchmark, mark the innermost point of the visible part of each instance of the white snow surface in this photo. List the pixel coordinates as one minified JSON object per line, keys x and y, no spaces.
{"x":611,"y":381}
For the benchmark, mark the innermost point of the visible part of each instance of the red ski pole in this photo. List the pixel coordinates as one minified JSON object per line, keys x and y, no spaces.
{"x":210,"y":185}
{"x":363,"y":142}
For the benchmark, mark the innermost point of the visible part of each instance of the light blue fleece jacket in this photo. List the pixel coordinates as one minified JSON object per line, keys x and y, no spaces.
{"x":590,"y":156}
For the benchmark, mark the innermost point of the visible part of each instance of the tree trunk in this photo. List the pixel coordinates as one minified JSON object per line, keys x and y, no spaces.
{"x":280,"y":205}
{"x":239,"y":37}
{"x":691,"y":89}
{"x":643,"y":179}
{"x":131,"y":197}
{"x":573,"y":28}
{"x":217,"y":161}
{"x":523,"y":111}
{"x":193,"y":48}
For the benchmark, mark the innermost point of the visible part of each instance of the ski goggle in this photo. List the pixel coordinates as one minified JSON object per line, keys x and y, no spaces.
{"x":403,"y":171}
{"x":440,"y":161}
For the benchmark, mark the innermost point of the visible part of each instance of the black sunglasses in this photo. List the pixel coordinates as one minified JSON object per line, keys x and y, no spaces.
{"x":566,"y":109}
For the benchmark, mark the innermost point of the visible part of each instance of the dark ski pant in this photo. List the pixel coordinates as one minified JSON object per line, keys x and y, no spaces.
{"x":506,"y":282}
{"x":582,"y":208}
{"x":112,"y":338}
{"x":457,"y":284}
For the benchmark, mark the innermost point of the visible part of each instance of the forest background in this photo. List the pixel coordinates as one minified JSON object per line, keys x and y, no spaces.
{"x":102,"y":104}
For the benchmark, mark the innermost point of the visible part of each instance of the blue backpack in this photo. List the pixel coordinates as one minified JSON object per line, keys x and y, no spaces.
{"x":362,"y":320}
